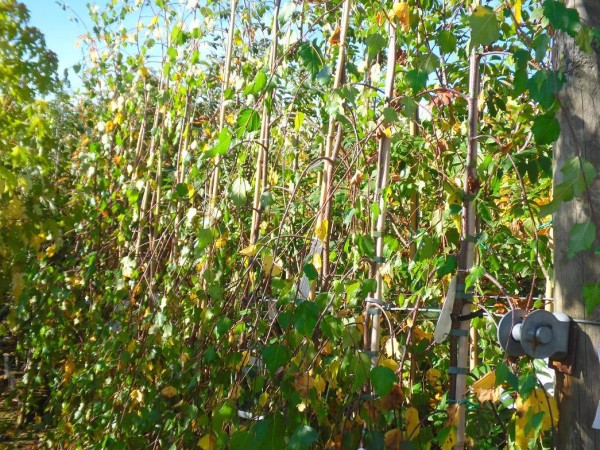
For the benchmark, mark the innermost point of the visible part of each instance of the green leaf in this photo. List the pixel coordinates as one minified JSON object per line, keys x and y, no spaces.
{"x":366,"y":246}
{"x":581,"y":238}
{"x":427,"y":63}
{"x":561,"y":17}
{"x":275,"y":356}
{"x":544,"y":85}
{"x":259,"y":82}
{"x":270,"y":432}
{"x":417,"y":79}
{"x":584,"y":40}
{"x":375,"y":43}
{"x":303,"y":438}
{"x":311,"y":58}
{"x":591,"y":297}
{"x":383,"y":379}
{"x":546,"y":129}
{"x":222,"y":145}
{"x":310,"y":271}
{"x":205,"y":238}
{"x":298,"y":121}
{"x":243,"y":440}
{"x":305,"y":318}
{"x":578,"y":174}
{"x":248,"y":121}
{"x":447,"y":41}
{"x":239,"y":191}
{"x":484,"y":27}
{"x":475,"y":274}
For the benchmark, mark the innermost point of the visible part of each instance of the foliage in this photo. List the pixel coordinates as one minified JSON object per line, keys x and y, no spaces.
{"x":141,"y":300}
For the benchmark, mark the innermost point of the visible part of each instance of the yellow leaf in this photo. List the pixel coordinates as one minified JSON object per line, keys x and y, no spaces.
{"x":244,"y":361}
{"x":131,"y":347}
{"x":208,"y":442}
{"x":392,"y":439}
{"x":303,"y":384}
{"x":249,"y":251}
{"x":322,"y":229}
{"x":17,"y":284}
{"x":485,"y":388}
{"x":392,"y":348}
{"x":153,"y":22}
{"x":272,"y":269}
{"x":169,"y":392}
{"x":389,"y":363}
{"x":334,"y":39}
{"x":402,"y":12}
{"x":263,"y":399}
{"x":412,"y":423}
{"x":450,"y":441}
{"x":136,"y":396}
{"x":538,"y":401}
{"x":433,"y":375}
{"x":518,"y":12}
{"x":69,"y":370}
{"x":51,"y":251}
{"x":317,"y":261}
{"x":388,"y":132}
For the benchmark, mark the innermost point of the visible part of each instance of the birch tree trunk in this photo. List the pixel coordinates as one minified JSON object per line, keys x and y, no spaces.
{"x":578,"y":395}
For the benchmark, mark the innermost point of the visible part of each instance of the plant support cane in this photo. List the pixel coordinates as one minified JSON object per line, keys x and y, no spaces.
{"x":459,"y":349}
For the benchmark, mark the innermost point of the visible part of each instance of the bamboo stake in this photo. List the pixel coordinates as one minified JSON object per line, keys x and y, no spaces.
{"x":463,"y":305}
{"x":265,"y":128}
{"x":383,"y":169}
{"x":332,"y":145}
{"x":213,"y":188}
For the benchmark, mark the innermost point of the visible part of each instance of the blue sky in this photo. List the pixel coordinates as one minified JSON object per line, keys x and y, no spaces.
{"x":60,"y":30}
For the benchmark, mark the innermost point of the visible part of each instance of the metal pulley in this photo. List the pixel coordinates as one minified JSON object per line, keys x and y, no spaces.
{"x":539,"y":334}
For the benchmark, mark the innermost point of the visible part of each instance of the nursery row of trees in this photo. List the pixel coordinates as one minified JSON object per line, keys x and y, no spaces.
{"x":239,"y":231}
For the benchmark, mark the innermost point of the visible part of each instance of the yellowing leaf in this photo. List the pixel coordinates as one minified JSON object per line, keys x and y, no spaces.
{"x":136,"y":396}
{"x":303,"y":384}
{"x":402,"y":12}
{"x":485,"y":388}
{"x":131,"y":347}
{"x":388,"y":132}
{"x":244,"y":361}
{"x":518,"y":11}
{"x":392,"y":348}
{"x":208,"y":442}
{"x":169,"y":391}
{"x":450,"y":441}
{"x":412,"y":422}
{"x":322,"y":229}
{"x":17,"y":284}
{"x":249,"y":251}
{"x":433,"y":375}
{"x":153,"y":22}
{"x":272,"y":269}
{"x":69,"y":370}
{"x":538,"y":401}
{"x":389,"y":363}
{"x":334,"y":39}
{"x":392,"y":439}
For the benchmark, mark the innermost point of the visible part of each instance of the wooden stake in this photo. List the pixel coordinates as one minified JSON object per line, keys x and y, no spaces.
{"x":332,"y":144}
{"x":462,"y":306}
{"x":383,"y":168}
{"x":260,"y":178}
{"x":213,"y":188}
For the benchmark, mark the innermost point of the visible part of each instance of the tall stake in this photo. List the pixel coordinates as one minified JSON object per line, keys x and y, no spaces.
{"x":332,"y":145}
{"x":265,"y":128}
{"x":459,"y":349}
{"x":213,"y":188}
{"x":383,"y":169}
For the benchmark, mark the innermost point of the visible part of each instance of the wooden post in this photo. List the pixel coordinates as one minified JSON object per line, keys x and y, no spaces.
{"x":578,"y":395}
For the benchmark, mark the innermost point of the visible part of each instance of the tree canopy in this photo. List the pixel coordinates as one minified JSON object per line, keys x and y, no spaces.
{"x":197,"y":244}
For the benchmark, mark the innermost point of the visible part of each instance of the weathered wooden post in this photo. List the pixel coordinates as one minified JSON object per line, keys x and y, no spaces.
{"x":578,"y":395}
